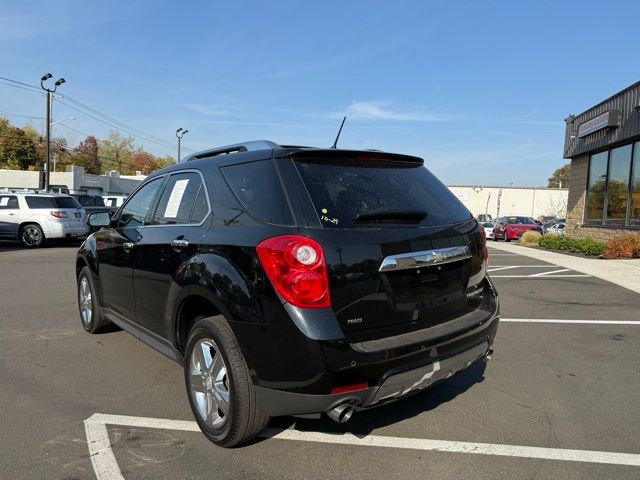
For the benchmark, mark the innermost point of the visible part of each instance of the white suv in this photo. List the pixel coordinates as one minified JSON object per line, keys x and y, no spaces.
{"x":32,"y":217}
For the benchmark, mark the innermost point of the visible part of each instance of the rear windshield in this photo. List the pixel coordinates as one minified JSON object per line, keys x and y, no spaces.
{"x":66,"y":202}
{"x":521,"y":220}
{"x":352,"y":193}
{"x":90,"y":201}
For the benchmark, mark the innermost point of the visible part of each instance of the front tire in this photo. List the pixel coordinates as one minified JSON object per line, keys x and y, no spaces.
{"x":219,"y":387}
{"x":31,"y":235}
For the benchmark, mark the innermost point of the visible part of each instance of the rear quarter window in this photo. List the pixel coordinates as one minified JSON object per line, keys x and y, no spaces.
{"x":258,"y":188}
{"x":40,"y":202}
{"x":346,"y":189}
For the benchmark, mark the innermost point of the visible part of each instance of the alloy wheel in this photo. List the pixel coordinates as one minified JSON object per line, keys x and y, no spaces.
{"x":30,"y":236}
{"x":209,"y":383}
{"x":84,"y":299}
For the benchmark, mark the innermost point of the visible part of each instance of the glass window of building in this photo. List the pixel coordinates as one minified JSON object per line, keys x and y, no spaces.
{"x":618,"y":185}
{"x":596,"y":187}
{"x":634,"y":213}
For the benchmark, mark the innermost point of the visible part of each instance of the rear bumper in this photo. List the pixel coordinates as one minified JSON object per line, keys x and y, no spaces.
{"x":59,"y":230}
{"x":393,"y":386}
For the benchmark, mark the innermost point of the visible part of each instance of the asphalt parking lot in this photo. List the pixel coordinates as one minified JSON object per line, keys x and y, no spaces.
{"x":558,"y":400}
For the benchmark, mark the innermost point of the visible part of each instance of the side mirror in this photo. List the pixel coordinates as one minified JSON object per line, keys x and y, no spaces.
{"x":99,"y":219}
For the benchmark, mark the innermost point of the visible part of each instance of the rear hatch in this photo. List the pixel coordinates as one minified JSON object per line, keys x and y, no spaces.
{"x":72,"y":213}
{"x":403,"y":253}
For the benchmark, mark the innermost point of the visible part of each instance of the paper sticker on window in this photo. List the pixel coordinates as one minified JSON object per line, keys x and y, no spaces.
{"x":175,"y":198}
{"x":4,"y":201}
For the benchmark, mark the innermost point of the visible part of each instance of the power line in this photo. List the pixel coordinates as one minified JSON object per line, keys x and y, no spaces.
{"x":21,"y":88}
{"x":94,"y":114}
{"x":21,"y":115}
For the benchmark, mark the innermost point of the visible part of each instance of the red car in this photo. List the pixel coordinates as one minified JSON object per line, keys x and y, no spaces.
{"x":512,"y":228}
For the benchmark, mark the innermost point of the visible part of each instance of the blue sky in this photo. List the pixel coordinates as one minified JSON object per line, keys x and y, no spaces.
{"x":479,"y":89}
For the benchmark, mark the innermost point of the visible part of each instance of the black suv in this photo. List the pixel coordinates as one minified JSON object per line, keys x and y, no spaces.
{"x":293,"y":281}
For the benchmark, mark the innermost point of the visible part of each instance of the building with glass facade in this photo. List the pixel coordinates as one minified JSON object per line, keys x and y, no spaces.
{"x":603,"y":144}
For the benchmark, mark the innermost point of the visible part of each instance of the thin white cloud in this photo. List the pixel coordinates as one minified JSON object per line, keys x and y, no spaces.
{"x":375,"y":110}
{"x":203,"y":109}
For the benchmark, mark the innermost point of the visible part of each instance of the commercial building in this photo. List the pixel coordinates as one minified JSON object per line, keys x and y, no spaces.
{"x":603,"y":144}
{"x":73,"y":181}
{"x":499,"y":201}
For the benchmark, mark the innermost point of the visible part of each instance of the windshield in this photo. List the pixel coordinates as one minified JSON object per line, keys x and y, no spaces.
{"x":354,"y":193}
{"x":520,"y":221}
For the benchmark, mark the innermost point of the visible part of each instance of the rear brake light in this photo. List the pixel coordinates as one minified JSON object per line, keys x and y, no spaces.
{"x":350,"y":388}
{"x":59,"y":214}
{"x":485,"y":250}
{"x":297,"y":269}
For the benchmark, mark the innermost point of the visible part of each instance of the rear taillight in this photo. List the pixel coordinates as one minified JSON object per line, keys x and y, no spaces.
{"x":297,"y":269}
{"x":59,"y":214}
{"x":485,"y":250}
{"x":350,"y":388}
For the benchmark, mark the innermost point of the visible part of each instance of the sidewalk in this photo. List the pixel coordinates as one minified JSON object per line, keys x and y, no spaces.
{"x":625,"y":273}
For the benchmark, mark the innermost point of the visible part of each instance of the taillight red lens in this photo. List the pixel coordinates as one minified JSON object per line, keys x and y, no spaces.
{"x":297,"y":269}
{"x":350,"y":388}
{"x":59,"y":214}
{"x":485,"y":250}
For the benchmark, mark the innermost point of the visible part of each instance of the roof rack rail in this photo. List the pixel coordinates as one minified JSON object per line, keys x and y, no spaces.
{"x":235,"y":148}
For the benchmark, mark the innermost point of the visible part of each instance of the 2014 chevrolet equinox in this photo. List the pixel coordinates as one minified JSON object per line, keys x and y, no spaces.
{"x":293,"y":281}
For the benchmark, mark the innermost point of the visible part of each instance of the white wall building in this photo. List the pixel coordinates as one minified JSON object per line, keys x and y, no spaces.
{"x":73,"y":181}
{"x":525,"y":201}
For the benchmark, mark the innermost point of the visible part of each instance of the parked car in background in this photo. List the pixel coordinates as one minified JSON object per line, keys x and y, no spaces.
{"x":488,"y":229}
{"x":557,"y":228}
{"x":32,"y":217}
{"x":513,"y":227}
{"x":93,"y":204}
{"x":293,"y":281}
{"x":484,"y":217}
{"x":552,"y":224}
{"x":114,"y":200}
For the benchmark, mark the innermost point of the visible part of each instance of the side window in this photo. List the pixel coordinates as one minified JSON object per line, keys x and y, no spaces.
{"x":257,"y":186}
{"x":200,"y":207}
{"x":177,"y":199}
{"x":8,"y":202}
{"x":40,"y":202}
{"x":136,"y":209}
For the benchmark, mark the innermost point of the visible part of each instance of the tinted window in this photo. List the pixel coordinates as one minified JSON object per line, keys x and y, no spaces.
{"x":596,"y":186}
{"x":200,"y":207}
{"x":354,"y":193}
{"x":40,"y":202}
{"x":8,"y":202}
{"x":136,"y":209}
{"x":177,"y":199}
{"x":66,"y":202}
{"x":618,"y":185}
{"x":258,"y":188}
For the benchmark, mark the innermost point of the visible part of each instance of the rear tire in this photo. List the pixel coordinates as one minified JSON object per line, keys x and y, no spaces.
{"x":92,"y":320}
{"x":219,"y":387}
{"x":31,"y":235}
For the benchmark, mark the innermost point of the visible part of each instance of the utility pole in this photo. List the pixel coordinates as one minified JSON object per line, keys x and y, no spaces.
{"x":179,"y":134}
{"x":49,"y":91}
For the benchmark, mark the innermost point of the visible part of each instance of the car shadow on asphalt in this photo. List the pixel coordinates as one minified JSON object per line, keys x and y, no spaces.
{"x":364,"y":422}
{"x":9,"y":245}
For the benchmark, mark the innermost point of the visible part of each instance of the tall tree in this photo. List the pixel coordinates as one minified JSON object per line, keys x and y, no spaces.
{"x":17,"y":150}
{"x":143,"y":162}
{"x":116,"y":151}
{"x":560,"y":177}
{"x":164,"y":161}
{"x":87,"y":155}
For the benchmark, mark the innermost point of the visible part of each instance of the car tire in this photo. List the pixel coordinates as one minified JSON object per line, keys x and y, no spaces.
{"x":213,"y":345}
{"x":90,"y":317}
{"x":495,"y":239}
{"x":31,"y":235}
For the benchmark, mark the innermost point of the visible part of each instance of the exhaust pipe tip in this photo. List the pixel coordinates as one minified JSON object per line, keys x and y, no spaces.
{"x":488,"y":355}
{"x":341,"y":413}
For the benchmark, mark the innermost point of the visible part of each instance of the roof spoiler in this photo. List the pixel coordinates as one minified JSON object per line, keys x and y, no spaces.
{"x":235,"y":148}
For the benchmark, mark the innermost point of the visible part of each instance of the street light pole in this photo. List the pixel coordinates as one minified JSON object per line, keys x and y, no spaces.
{"x":179,"y":134}
{"x":49,"y":91}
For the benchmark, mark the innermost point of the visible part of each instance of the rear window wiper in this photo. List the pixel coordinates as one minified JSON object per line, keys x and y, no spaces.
{"x":388,"y":216}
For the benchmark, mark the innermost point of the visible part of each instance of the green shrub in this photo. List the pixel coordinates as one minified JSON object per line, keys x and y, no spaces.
{"x":586,"y":246}
{"x":530,"y":238}
{"x":623,"y":246}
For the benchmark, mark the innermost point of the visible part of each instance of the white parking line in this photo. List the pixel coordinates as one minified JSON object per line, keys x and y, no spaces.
{"x":564,"y":320}
{"x":550,"y":273}
{"x":537,"y":276}
{"x":507,"y":267}
{"x":106,"y":467}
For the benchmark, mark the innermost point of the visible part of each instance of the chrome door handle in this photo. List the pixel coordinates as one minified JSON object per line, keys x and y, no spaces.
{"x":179,"y":243}
{"x":12,"y":214}
{"x":128,"y":246}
